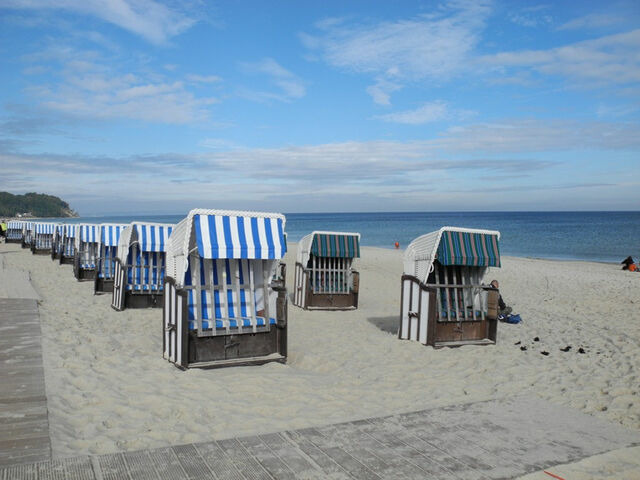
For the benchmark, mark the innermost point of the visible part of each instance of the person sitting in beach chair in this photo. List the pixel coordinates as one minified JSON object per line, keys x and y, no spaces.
{"x":503,"y":309}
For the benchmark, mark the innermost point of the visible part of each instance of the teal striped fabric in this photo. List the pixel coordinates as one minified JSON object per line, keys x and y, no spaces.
{"x":336,"y":246}
{"x":471,"y":249}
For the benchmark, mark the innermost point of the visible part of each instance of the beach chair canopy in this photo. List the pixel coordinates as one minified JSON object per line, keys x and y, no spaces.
{"x":329,"y":245}
{"x":45,"y":228}
{"x":110,"y":234}
{"x":452,"y":246}
{"x":15,"y":225}
{"x":225,"y":234}
{"x":70,"y":231}
{"x":149,"y":237}
{"x":87,"y":233}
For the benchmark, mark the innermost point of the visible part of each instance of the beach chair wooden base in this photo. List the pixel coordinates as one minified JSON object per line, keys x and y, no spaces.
{"x":307,"y":299}
{"x":25,"y":244}
{"x":55,"y":255}
{"x":138,"y":300}
{"x":235,"y":350}
{"x":40,"y":251}
{"x":64,"y":260}
{"x":13,"y":240}
{"x":419,"y":320}
{"x":185,"y":349}
{"x":103,"y":285}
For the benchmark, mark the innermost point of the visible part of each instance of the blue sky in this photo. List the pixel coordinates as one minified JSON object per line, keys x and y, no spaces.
{"x":143,"y":106}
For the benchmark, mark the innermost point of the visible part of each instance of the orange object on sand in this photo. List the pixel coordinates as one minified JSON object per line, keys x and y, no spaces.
{"x":554,"y":476}
{"x":632,"y":267}
{"x":397,"y":245}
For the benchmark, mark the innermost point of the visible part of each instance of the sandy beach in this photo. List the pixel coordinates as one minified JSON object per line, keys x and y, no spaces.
{"x":109,"y":389}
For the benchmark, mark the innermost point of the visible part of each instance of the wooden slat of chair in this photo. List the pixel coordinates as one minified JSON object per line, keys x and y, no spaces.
{"x":252,"y":290}
{"x":195,"y":272}
{"x":265,"y":289}
{"x":235,"y":284}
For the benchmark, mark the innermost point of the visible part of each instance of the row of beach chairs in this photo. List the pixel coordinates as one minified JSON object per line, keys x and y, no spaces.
{"x":219,"y":279}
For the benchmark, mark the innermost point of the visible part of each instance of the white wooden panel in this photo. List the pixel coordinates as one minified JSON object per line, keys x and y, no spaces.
{"x":424,"y":317}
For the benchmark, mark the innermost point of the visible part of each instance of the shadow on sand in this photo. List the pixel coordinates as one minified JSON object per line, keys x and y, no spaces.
{"x":386,"y":324}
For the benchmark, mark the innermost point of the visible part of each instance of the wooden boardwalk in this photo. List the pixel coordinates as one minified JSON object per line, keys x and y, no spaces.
{"x":485,"y":440}
{"x":24,"y":424}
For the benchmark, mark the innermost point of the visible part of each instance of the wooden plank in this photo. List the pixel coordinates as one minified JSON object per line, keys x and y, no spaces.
{"x":218,"y":461}
{"x":248,"y":466}
{"x":289,"y":452}
{"x":166,"y":464}
{"x":335,"y":451}
{"x":112,"y":467}
{"x":24,"y":425}
{"x":269,"y":460}
{"x":191,"y":461}
{"x":140,"y":465}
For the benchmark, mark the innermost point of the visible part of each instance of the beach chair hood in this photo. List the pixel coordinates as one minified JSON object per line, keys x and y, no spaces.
{"x":452,"y":246}
{"x":110,"y":234}
{"x":151,"y":237}
{"x":45,"y":228}
{"x":225,"y":234}
{"x":328,"y":244}
{"x":87,"y":233}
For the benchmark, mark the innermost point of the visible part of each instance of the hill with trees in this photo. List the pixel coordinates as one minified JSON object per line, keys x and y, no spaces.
{"x":34,"y":205}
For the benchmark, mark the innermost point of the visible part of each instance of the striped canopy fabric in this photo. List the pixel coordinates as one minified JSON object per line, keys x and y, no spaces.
{"x":153,"y":238}
{"x":110,"y":234}
{"x":470,"y":249}
{"x":89,"y":233}
{"x":70,"y":231}
{"x":15,"y":225}
{"x":336,"y":245}
{"x":45,"y":228}
{"x":229,"y":236}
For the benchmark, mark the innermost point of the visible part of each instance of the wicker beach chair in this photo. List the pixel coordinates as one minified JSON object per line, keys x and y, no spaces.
{"x":325,"y":278}
{"x":14,"y":231}
{"x":140,"y":266}
{"x":43,"y":238}
{"x":224,"y":304}
{"x":67,"y":244}
{"x":444,"y":301}
{"x":56,"y":241}
{"x":106,"y":257}
{"x":86,"y":244}
{"x":27,"y":234}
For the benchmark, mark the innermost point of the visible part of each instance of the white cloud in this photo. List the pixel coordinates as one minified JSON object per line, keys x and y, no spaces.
{"x":371,"y":174}
{"x":86,"y":86}
{"x":591,"y":21}
{"x":427,"y":113}
{"x":290,"y":85}
{"x":203,"y":78}
{"x":608,"y":60}
{"x":153,"y":21}
{"x":435,"y":46}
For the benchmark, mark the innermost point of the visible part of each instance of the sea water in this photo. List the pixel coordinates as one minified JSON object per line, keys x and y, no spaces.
{"x":592,"y":236}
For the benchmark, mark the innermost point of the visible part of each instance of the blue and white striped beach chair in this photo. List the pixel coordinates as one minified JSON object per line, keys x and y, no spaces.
{"x":140,"y":266}
{"x":86,"y":251}
{"x":67,"y":244}
{"x":27,"y":234}
{"x":56,"y":241}
{"x":444,"y":301}
{"x":106,"y":259}
{"x":14,"y":231}
{"x":43,"y":238}
{"x":221,"y":306}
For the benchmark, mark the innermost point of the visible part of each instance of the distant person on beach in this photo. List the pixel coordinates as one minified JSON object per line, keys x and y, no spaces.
{"x":502,"y":307}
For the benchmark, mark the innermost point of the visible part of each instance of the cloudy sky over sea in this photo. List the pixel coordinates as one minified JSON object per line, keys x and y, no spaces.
{"x":299,"y":106}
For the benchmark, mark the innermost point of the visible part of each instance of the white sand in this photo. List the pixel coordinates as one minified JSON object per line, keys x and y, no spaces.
{"x":109,"y":388}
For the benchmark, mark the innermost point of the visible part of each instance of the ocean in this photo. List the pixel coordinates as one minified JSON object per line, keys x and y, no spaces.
{"x":592,"y":236}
